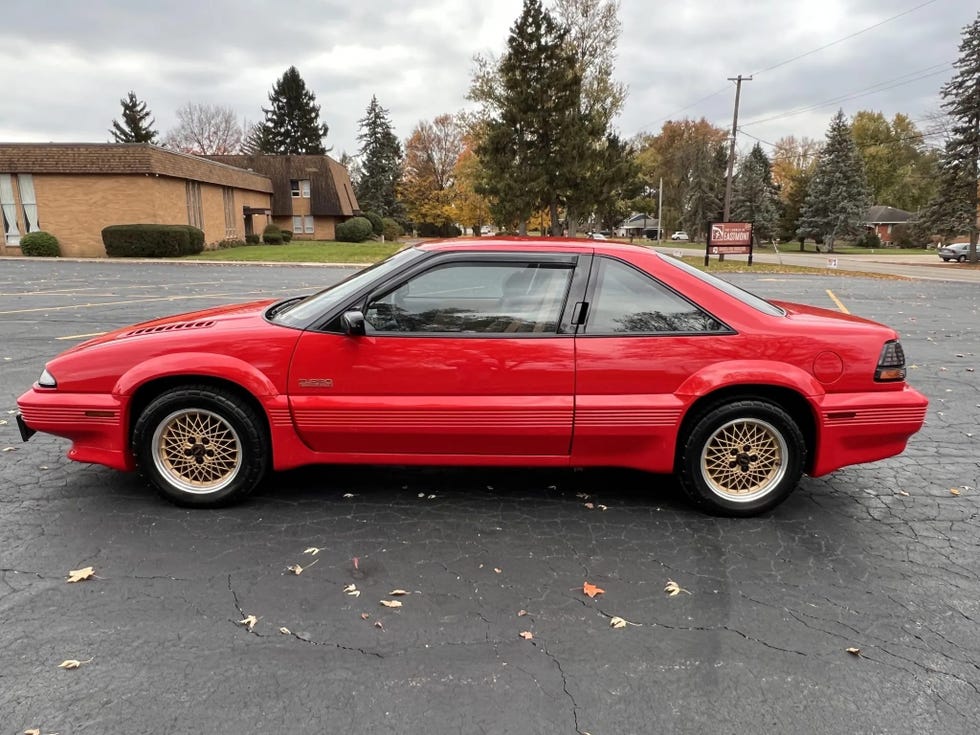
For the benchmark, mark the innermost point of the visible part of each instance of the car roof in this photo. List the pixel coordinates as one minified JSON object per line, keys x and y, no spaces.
{"x":532,"y":244}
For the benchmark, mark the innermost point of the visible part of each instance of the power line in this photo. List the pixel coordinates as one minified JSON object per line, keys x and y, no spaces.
{"x":789,"y":61}
{"x":845,"y":38}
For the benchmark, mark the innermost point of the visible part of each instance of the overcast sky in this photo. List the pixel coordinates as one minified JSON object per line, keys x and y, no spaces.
{"x":65,"y":64}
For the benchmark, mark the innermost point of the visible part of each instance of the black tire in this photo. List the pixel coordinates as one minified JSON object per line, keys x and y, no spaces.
{"x":961,"y":258}
{"x":741,"y":458}
{"x":201,"y":447}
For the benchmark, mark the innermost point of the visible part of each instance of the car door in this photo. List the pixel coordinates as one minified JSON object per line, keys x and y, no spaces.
{"x":640,"y":341}
{"x":464,"y":355}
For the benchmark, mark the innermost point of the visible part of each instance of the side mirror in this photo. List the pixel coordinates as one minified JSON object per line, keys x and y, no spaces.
{"x":353,"y":323}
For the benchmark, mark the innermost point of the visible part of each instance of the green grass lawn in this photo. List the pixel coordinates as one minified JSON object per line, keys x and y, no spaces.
{"x":304,"y":251}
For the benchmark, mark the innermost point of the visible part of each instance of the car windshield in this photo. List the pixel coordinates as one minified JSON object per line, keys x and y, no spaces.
{"x":732,"y":290}
{"x":301,"y":313}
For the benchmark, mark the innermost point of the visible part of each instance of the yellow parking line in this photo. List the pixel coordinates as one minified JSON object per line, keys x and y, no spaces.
{"x":837,"y":301}
{"x":82,"y":336}
{"x":120,"y":303}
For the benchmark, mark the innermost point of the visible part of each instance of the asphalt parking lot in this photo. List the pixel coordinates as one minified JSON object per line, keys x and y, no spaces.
{"x":884,"y":558}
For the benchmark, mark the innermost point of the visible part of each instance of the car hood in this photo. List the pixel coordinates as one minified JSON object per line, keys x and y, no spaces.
{"x":191,"y":321}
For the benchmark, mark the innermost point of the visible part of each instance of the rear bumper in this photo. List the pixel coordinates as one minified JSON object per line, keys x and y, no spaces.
{"x":95,"y":424}
{"x":854,"y":428}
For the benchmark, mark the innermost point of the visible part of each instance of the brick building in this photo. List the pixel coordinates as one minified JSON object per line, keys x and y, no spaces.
{"x":310,"y":194}
{"x":73,"y":190}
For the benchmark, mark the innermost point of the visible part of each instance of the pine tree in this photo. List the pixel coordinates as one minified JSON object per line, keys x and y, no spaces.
{"x":755,"y":197}
{"x":380,"y":157}
{"x":135,"y":126}
{"x":837,"y":198}
{"x":956,"y":207}
{"x":292,"y":122}
{"x":535,"y":121}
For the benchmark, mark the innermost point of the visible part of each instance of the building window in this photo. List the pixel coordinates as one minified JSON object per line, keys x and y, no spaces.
{"x":228,"y":200}
{"x":300,"y":188}
{"x":302,"y":224}
{"x":9,"y":210}
{"x":25,"y":182}
{"x":195,"y":216}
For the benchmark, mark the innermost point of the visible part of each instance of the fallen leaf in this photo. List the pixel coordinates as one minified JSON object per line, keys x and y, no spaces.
{"x":854,"y":651}
{"x":396,"y":593}
{"x":73,"y":663}
{"x":77,"y":575}
{"x":312,"y":550}
{"x":365,"y":616}
{"x":249,"y":622}
{"x":391,"y":603}
{"x":421,"y":495}
{"x":3,"y":422}
{"x":10,"y":449}
{"x":583,"y":496}
{"x":432,"y":497}
{"x":350,"y":588}
{"x":903,"y":493}
{"x":527,"y":635}
{"x":34,"y":731}
{"x":602,"y":507}
{"x":298,"y":570}
{"x":590,"y":506}
{"x":348,"y":495}
{"x":591,"y":590}
{"x":379,"y":625}
{"x":954,"y":491}
{"x":497,"y":570}
{"x":617,"y":623}
{"x":521,"y":613}
{"x":673,"y":589}
{"x":285,"y":631}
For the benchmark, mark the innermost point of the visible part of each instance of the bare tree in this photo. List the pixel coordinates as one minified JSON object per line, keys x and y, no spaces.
{"x":205,"y":130}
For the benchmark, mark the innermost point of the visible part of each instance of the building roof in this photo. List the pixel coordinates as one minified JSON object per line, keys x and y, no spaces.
{"x":123,"y":158}
{"x":882,"y":215}
{"x":331,"y":193}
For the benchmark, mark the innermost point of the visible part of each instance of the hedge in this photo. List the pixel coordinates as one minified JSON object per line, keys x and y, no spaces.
{"x":392,"y":230}
{"x":40,"y":244}
{"x":152,"y":241}
{"x":272,"y":235}
{"x":377,"y":223}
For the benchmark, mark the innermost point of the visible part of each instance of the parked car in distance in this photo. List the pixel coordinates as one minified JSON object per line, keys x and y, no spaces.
{"x":679,"y":235}
{"x":597,"y":236}
{"x":490,"y":352}
{"x":958,"y":251}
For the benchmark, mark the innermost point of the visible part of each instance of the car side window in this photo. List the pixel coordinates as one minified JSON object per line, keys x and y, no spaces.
{"x":627,"y":301}
{"x":485,"y":298}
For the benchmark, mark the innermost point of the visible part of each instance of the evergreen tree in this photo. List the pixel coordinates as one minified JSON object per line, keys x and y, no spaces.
{"x":137,"y":122}
{"x":955,"y":208}
{"x":380,"y":157}
{"x":754,"y":198}
{"x":837,"y":198}
{"x":705,"y":189}
{"x":535,"y":124}
{"x":292,"y":122}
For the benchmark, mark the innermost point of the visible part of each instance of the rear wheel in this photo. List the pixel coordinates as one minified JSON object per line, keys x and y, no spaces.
{"x":961,"y":258}
{"x":201,"y":446}
{"x":742,"y":458}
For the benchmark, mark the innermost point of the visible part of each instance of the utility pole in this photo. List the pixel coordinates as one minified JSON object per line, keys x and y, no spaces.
{"x":660,"y":212}
{"x":731,"y":151}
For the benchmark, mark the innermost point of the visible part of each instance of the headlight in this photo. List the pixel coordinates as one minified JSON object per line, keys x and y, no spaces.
{"x":47,"y":380}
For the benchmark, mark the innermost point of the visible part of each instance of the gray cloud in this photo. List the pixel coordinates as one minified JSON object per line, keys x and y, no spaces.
{"x":67,"y":64}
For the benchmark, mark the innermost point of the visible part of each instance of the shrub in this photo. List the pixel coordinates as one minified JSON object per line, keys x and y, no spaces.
{"x":40,"y":244}
{"x":252,"y":239}
{"x":377,"y":224}
{"x":149,"y":241}
{"x":430,"y":229}
{"x":356,"y":229}
{"x":287,"y":235}
{"x":868,"y":240}
{"x":229,"y":242}
{"x":195,"y":240}
{"x":392,"y":230}
{"x":272,"y":235}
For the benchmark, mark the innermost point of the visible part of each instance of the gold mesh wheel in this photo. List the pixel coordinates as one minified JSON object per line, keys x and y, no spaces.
{"x":197,"y":451}
{"x":744,"y":459}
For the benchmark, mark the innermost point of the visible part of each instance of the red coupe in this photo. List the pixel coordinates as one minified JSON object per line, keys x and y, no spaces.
{"x":519,"y":352}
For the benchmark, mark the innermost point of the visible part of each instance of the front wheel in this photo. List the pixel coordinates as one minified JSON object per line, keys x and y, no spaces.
{"x":742,"y":458}
{"x":201,"y":446}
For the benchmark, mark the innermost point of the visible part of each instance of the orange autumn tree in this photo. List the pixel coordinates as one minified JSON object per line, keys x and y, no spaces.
{"x":432,"y":153}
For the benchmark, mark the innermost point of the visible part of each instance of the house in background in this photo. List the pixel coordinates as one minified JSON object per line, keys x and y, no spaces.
{"x":310,"y":194}
{"x":881,"y":220}
{"x":73,"y":190}
{"x":638,"y":225}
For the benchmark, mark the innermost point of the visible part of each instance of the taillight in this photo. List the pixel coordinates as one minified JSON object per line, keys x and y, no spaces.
{"x":891,"y":364}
